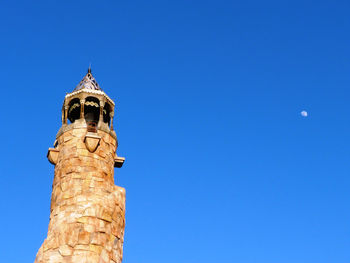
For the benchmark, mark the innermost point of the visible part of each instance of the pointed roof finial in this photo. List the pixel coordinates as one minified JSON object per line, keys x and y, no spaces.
{"x":88,"y":82}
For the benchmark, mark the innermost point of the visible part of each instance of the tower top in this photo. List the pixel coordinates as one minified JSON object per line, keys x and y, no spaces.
{"x":88,"y":106}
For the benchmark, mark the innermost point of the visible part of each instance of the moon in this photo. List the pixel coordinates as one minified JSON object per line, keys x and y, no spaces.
{"x":304,"y":113}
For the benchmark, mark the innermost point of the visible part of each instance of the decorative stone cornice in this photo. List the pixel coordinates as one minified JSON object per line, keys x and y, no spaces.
{"x":89,"y":91}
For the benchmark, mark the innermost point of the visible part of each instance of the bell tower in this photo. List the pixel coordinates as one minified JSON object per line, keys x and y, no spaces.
{"x":87,"y":215}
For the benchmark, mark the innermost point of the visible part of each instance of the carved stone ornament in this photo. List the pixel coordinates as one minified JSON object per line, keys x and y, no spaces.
{"x":92,"y":141}
{"x":52,"y":155}
{"x":118,"y":161}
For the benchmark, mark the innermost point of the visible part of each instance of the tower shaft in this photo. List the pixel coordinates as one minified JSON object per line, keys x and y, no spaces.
{"x":87,"y":209}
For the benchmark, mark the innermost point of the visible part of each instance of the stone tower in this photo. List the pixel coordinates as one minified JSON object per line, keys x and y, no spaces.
{"x":87,"y":209}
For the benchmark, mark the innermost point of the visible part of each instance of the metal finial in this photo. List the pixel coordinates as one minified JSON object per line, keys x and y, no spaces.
{"x":89,"y":70}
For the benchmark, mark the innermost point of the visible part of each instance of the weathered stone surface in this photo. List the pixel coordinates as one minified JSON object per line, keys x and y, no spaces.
{"x":87,"y":210}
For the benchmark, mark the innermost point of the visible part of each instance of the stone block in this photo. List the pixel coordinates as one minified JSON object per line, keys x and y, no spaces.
{"x":65,"y":250}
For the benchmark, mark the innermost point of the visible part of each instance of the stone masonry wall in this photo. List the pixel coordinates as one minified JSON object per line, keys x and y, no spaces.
{"x":87,"y":210}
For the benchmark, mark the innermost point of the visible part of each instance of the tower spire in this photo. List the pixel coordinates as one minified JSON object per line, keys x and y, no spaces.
{"x":88,"y":82}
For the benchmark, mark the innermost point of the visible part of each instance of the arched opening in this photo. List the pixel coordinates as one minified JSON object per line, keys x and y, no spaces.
{"x":91,"y":113}
{"x":74,"y":110}
{"x":106,"y":114}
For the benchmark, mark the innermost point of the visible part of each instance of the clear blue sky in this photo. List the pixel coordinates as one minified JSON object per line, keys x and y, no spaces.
{"x":220,"y":165}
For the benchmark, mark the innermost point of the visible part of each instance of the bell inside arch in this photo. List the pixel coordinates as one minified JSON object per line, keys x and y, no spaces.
{"x":91,"y":113}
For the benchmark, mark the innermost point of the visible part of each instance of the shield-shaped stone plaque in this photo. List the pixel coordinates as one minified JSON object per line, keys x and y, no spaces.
{"x":52,"y":155}
{"x":92,"y":141}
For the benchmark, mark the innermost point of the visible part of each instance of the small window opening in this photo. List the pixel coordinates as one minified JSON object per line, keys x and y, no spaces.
{"x":74,"y":110}
{"x":106,"y":114}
